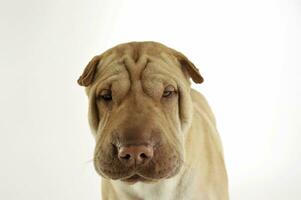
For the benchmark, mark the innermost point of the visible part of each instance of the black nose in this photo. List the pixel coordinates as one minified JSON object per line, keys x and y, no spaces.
{"x":135,"y":155}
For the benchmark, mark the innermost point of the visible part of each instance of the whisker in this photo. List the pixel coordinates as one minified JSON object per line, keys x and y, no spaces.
{"x":89,"y":161}
{"x":184,"y":164}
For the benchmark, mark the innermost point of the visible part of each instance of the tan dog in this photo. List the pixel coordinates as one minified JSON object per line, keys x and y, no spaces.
{"x":156,"y":137}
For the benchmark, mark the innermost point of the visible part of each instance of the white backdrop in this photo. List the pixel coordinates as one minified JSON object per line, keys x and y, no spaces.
{"x":248,"y":52}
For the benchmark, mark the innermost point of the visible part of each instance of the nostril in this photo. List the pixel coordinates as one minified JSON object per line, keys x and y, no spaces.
{"x":135,"y":154}
{"x":143,"y":156}
{"x":126,"y":157}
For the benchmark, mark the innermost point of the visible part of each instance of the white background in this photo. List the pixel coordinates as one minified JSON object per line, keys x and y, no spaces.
{"x":248,"y":52}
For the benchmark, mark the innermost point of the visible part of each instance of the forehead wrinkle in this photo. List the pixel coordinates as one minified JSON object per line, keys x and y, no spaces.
{"x":168,"y":59}
{"x":109,"y":74}
{"x":128,"y":65}
{"x":134,"y":69}
{"x":107,"y":59}
{"x":159,"y":67}
{"x":144,"y":62}
{"x":136,"y":54}
{"x":113,"y":69}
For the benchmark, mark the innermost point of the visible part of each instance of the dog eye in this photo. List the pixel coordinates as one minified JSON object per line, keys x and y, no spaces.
{"x":106,"y":95}
{"x":168,"y":91}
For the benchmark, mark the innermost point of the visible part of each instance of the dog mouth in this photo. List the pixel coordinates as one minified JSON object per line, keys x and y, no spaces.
{"x":144,"y":175}
{"x":136,"y":178}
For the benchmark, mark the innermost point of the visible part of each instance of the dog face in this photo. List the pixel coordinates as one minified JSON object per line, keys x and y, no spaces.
{"x":139,"y":110}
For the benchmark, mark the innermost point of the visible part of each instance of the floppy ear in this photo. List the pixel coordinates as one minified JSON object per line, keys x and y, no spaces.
{"x":189,"y":67}
{"x":88,"y":75}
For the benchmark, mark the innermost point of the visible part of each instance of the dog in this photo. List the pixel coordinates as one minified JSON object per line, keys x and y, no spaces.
{"x":156,"y":137}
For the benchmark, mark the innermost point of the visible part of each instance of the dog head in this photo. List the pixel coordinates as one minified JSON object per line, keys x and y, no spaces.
{"x":139,"y":110}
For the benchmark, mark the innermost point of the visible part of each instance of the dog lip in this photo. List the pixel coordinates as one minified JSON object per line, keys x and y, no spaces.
{"x":134,"y":178}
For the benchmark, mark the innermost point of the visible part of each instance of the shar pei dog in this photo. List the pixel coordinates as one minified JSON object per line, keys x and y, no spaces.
{"x":156,"y":137}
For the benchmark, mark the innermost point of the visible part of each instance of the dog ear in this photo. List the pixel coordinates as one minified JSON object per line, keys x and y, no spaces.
{"x":88,"y":75}
{"x":189,"y":67}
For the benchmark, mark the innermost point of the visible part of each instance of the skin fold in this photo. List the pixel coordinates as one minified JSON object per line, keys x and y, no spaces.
{"x":140,"y":98}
